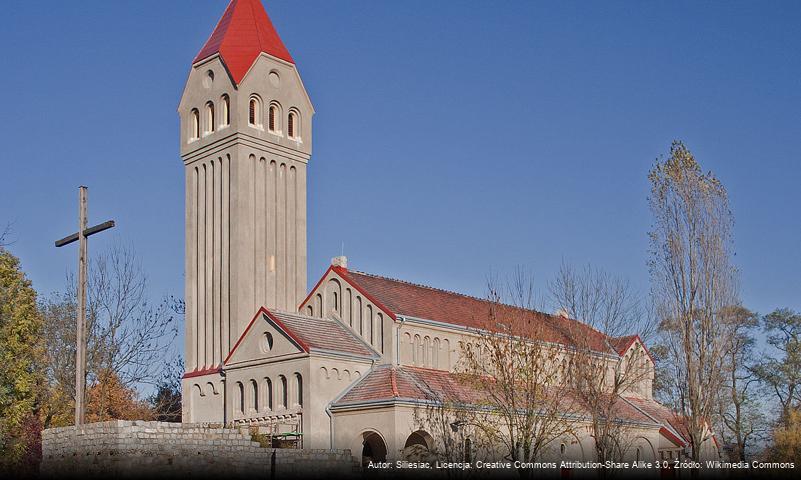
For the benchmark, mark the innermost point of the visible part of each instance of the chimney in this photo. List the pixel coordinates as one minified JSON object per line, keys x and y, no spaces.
{"x":341,"y":262}
{"x":562,"y":312}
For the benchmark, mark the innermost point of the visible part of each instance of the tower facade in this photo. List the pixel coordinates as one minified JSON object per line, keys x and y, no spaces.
{"x":246,"y":131}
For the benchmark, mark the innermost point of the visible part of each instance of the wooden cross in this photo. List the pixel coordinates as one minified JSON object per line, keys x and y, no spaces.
{"x":80,"y":351}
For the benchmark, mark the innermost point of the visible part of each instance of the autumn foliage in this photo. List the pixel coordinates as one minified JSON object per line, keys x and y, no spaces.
{"x":787,"y":439}
{"x":109,"y":399}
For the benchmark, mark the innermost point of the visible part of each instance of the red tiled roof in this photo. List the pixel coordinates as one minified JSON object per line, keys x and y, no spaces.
{"x":621,"y":344}
{"x":311,"y":333}
{"x":243,"y":32}
{"x":663,"y":415}
{"x":389,"y":383}
{"x":404,"y":298}
{"x":324,"y":334}
{"x":386,"y":382}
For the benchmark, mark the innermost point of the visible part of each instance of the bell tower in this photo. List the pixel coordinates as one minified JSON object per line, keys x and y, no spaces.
{"x":246,"y":132}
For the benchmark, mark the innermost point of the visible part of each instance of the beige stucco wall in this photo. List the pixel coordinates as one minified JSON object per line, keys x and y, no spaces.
{"x":335,"y":297}
{"x":245,"y":203}
{"x":395,"y":423}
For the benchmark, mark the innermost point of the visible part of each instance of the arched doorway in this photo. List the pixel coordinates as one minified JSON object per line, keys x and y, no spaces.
{"x":418,"y":446}
{"x":373,"y":448}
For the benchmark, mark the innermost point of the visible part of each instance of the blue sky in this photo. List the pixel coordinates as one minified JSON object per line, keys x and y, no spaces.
{"x":467,"y":136}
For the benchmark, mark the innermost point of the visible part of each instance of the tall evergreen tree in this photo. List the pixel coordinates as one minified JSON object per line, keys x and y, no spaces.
{"x":20,"y":349}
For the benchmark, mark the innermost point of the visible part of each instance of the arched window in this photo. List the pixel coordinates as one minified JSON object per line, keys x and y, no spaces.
{"x":298,"y":390}
{"x":360,"y":314}
{"x":225,"y":103}
{"x":254,"y":112}
{"x":284,"y":394}
{"x":240,"y":390}
{"x":195,"y":124}
{"x":268,"y":393}
{"x":254,"y":395}
{"x":274,"y":118}
{"x":209,"y":117}
{"x":292,"y":125}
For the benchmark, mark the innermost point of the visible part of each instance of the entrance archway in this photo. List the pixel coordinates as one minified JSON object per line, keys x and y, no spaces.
{"x":373,"y":448}
{"x":418,"y":446}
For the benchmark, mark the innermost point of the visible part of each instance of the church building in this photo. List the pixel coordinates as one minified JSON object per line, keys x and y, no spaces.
{"x":344,"y":365}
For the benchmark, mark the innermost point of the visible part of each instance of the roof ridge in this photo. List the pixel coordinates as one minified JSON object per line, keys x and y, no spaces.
{"x":301,"y":315}
{"x":393,"y":382}
{"x":414,"y":367}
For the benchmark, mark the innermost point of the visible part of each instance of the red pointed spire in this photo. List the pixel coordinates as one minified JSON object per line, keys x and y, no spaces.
{"x":243,"y":32}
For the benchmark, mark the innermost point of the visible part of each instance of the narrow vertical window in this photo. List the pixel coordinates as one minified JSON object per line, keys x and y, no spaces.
{"x":273,"y":114}
{"x":225,"y":101}
{"x":195,"y":121}
{"x":254,"y":112}
{"x":298,"y":390}
{"x":209,"y":117}
{"x":241,"y":394}
{"x":284,"y":392}
{"x":290,"y":125}
{"x":254,"y":395}
{"x":268,"y":393}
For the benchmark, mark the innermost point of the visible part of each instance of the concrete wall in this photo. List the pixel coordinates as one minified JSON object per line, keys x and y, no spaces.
{"x":132,"y":449}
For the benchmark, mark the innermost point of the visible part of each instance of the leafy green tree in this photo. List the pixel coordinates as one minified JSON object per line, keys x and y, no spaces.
{"x":20,"y":350}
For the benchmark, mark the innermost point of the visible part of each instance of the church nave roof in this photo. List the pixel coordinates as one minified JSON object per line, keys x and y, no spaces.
{"x":420,"y":301}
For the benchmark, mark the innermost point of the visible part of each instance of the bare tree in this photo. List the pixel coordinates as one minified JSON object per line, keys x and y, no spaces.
{"x":5,"y":233}
{"x":449,"y":423}
{"x":523,"y":399}
{"x":609,"y":305}
{"x":739,"y":411}
{"x":127,"y":335}
{"x":605,"y":302}
{"x":692,"y":281}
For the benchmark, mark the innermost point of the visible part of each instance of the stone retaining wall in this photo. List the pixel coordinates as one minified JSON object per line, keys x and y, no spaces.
{"x":139,"y":448}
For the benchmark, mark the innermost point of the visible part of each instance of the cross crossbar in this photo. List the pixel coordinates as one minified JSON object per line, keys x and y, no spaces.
{"x":89,"y":231}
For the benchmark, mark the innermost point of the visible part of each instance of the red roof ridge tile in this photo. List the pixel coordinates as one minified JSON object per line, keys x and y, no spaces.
{"x":394,"y":382}
{"x":426,"y":369}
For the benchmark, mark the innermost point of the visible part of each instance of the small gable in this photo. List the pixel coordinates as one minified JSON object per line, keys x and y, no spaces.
{"x":631,"y":346}
{"x":265,"y":337}
{"x":336,"y":296}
